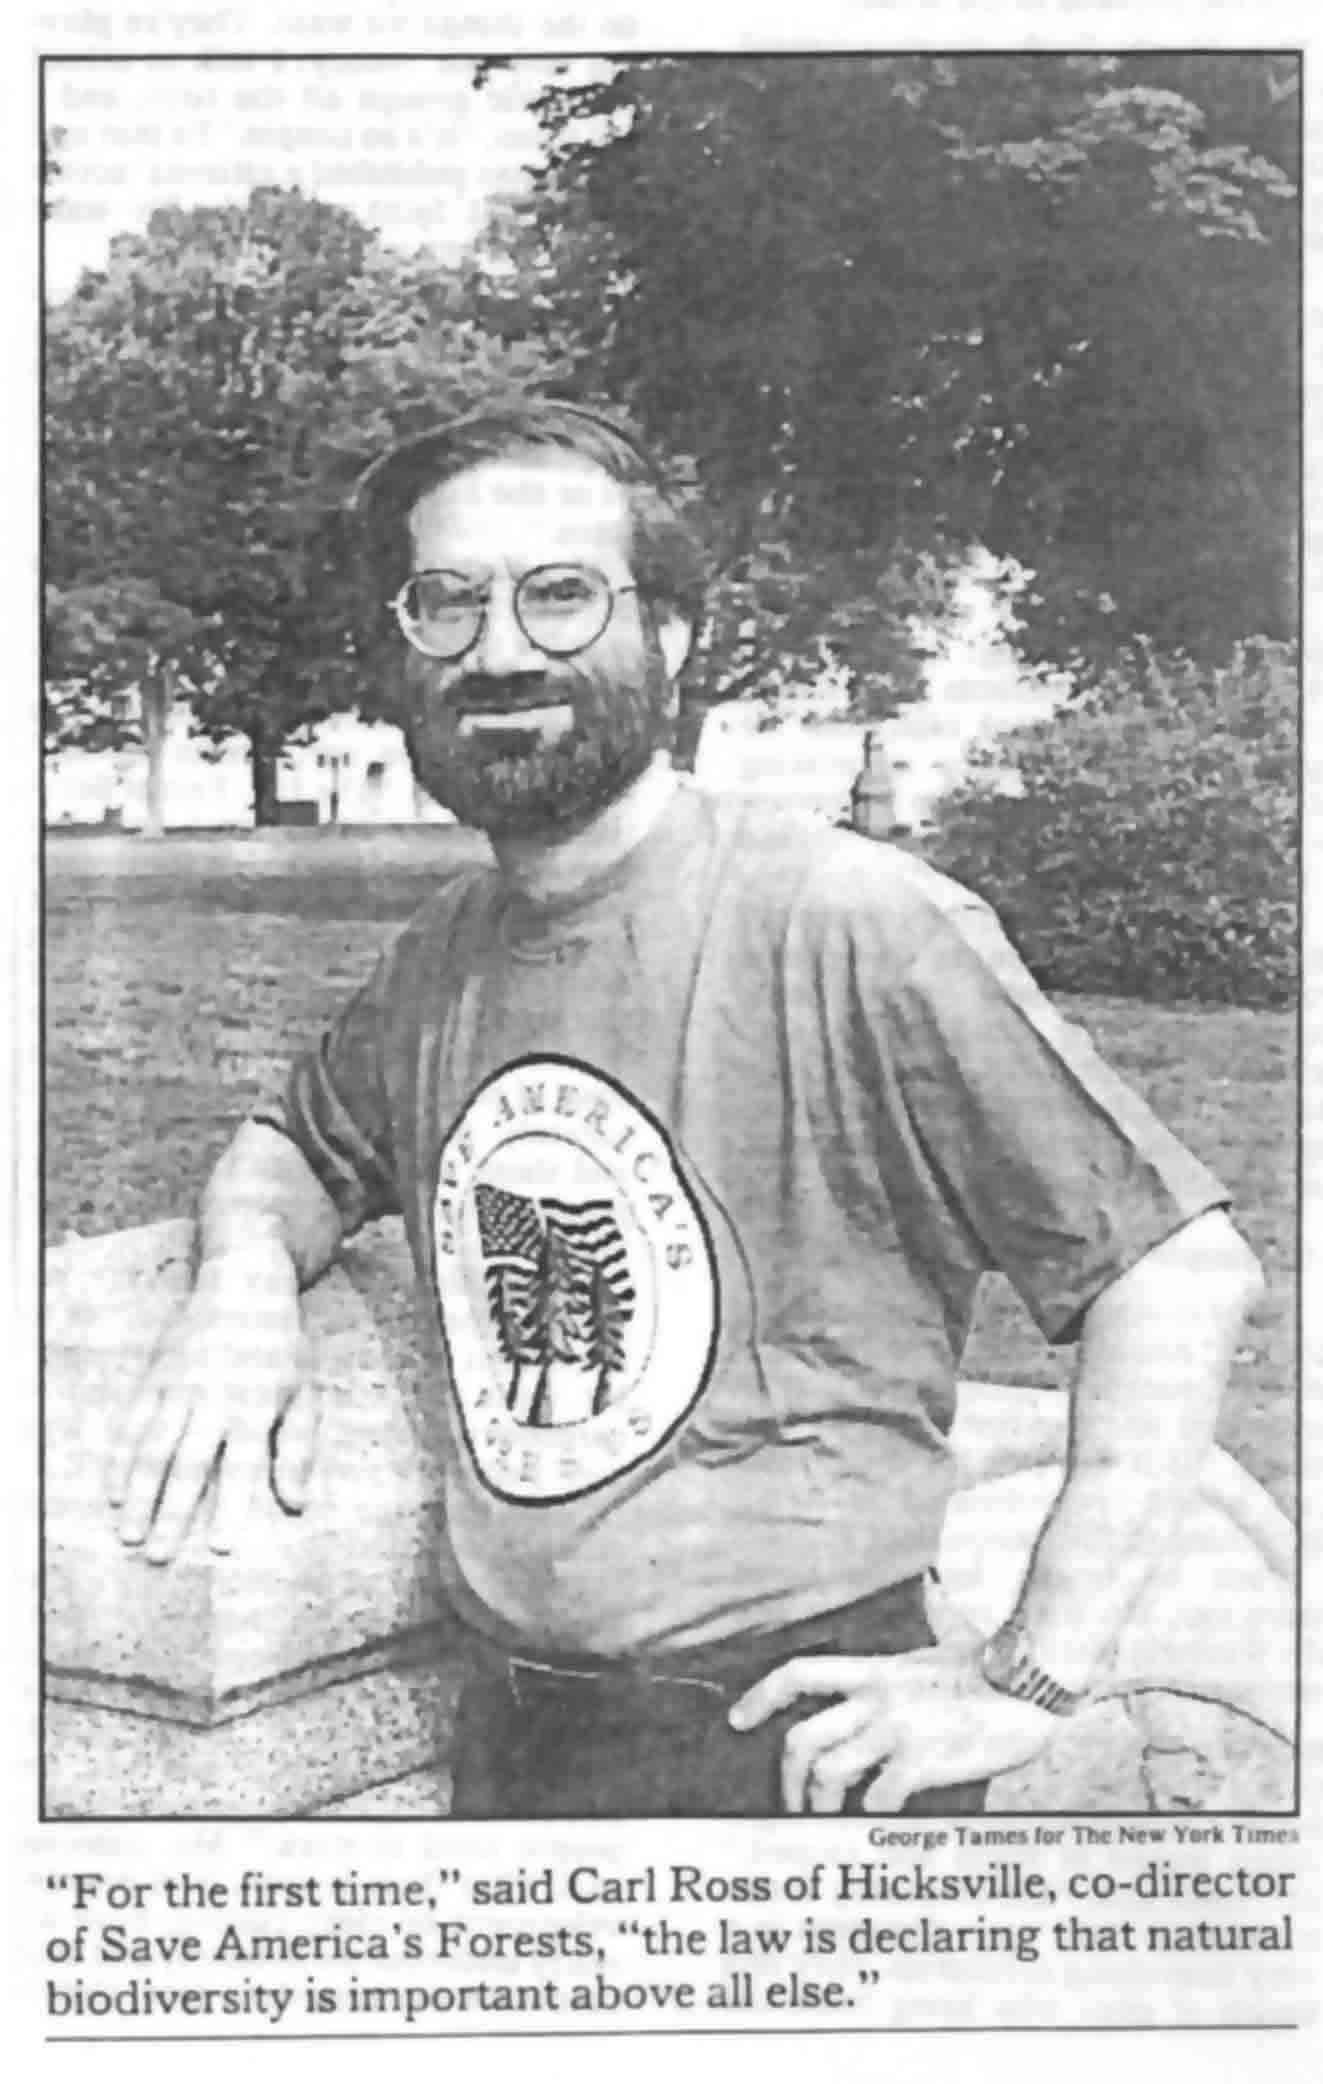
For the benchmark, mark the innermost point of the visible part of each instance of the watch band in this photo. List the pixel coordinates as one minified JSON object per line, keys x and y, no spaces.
{"x":1009,"y":1666}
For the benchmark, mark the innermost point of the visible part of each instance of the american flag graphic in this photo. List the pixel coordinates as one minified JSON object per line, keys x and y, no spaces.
{"x":508,"y":1226}
{"x":558,"y":1287}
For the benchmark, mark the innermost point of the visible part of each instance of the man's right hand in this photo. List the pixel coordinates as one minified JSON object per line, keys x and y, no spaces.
{"x":221,"y":1398}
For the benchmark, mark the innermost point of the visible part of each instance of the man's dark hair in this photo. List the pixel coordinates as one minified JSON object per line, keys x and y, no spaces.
{"x":665,"y":552}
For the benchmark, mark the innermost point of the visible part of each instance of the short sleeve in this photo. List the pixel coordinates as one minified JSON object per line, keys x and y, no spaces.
{"x":334,"y":1108}
{"x":1062,"y":1174}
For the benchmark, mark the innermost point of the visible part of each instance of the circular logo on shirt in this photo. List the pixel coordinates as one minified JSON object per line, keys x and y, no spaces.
{"x":576,"y":1279}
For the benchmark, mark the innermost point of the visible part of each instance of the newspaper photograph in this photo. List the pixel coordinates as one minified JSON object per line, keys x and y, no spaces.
{"x":671,"y":814}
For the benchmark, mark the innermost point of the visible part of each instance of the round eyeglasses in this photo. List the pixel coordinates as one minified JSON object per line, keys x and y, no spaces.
{"x":561,"y":609}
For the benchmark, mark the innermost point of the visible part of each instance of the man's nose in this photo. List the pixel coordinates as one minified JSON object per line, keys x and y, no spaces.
{"x":502,"y":648}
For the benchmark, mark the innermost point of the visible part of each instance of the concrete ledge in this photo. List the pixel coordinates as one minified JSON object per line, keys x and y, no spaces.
{"x":309,"y":1673}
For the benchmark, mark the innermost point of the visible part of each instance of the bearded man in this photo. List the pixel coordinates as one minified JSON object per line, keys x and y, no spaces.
{"x":704,"y":1125}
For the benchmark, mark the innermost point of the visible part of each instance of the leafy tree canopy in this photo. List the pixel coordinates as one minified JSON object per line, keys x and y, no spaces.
{"x":211,"y":397}
{"x":1043,"y":304}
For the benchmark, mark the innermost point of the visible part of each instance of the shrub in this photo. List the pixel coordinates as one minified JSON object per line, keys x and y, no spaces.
{"x":1144,"y":839}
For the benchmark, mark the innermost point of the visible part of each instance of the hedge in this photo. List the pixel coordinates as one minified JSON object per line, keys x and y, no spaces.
{"x":1144,"y":840}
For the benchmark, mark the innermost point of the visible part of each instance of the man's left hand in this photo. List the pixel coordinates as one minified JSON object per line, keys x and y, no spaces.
{"x":927,"y":1718}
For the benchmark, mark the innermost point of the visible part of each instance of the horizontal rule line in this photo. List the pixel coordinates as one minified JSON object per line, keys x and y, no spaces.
{"x":618,"y":2033}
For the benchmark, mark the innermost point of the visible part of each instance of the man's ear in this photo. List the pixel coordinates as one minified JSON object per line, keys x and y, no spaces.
{"x":676,"y":636}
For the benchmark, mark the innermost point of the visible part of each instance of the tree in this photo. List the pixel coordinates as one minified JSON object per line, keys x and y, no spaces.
{"x":512,"y":1301}
{"x":211,"y":397}
{"x":115,"y":655}
{"x":777,"y":620}
{"x":559,"y":1313}
{"x":608,"y":1314}
{"x":1041,"y":304}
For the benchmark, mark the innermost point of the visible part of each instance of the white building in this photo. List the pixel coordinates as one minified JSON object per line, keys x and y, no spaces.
{"x":350,"y":773}
{"x":357,"y":774}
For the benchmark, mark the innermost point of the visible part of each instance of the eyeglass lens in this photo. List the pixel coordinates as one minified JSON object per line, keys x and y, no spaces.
{"x":560,"y":608}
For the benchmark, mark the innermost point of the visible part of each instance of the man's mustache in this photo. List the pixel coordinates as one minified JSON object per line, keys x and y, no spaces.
{"x":481,"y":694}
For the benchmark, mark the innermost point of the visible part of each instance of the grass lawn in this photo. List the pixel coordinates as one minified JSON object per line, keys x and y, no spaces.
{"x":180,"y":976}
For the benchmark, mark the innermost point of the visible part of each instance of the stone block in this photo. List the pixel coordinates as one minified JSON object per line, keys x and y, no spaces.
{"x":306,"y":1600}
{"x":343,"y":1748}
{"x":425,"y":1793}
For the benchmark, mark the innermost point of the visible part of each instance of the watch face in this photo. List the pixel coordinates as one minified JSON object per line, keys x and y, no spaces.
{"x":1000,"y":1654}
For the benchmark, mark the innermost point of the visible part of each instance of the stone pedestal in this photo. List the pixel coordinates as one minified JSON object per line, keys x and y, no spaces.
{"x":309,"y":1666}
{"x":312,"y":1673}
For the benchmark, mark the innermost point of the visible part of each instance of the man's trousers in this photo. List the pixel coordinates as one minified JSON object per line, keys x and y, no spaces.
{"x":541,"y":1737}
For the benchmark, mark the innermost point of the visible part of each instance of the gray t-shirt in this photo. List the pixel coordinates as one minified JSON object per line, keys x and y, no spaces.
{"x":700,"y":1171}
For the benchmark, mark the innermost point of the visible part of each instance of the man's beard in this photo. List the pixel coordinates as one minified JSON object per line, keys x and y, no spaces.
{"x":514,"y":783}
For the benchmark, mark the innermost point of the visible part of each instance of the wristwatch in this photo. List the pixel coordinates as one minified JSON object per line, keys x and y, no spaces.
{"x":1008,"y":1664}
